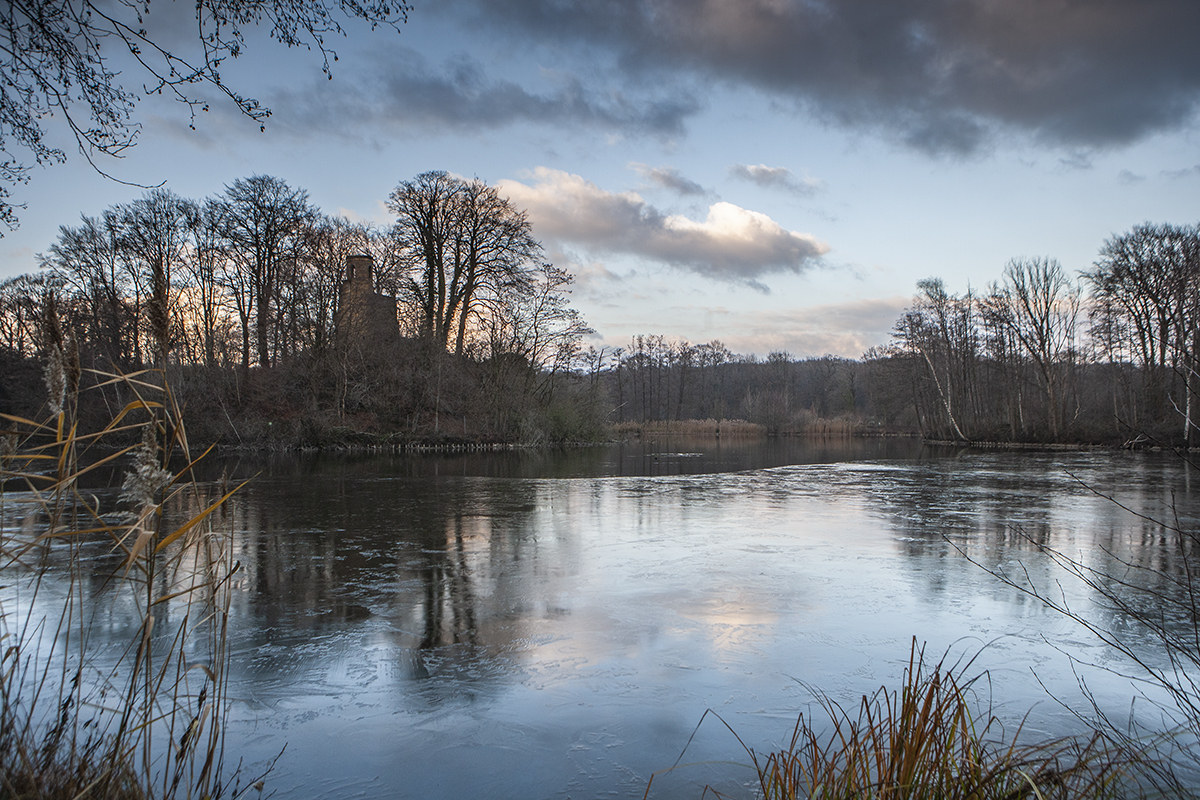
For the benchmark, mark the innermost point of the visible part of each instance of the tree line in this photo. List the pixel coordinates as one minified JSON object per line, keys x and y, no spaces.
{"x":240,"y":292}
{"x":1042,"y":355}
{"x":236,"y":295}
{"x":251,"y":276}
{"x":657,"y":379}
{"x":1108,"y":355}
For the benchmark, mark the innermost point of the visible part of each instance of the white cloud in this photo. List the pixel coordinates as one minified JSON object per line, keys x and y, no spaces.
{"x":841,"y":329}
{"x":731,"y":243}
{"x":592,"y":278}
{"x":378,"y":216}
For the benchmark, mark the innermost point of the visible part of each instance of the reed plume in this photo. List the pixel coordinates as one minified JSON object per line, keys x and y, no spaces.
{"x":77,"y":721}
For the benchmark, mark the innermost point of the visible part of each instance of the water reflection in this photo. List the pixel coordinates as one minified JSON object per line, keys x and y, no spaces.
{"x":652,"y":456}
{"x":561,"y":636}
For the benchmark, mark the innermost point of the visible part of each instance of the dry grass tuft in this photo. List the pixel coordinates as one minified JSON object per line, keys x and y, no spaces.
{"x":926,"y":742}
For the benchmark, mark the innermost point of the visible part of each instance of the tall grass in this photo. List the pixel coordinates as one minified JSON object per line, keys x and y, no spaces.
{"x":690,"y":427}
{"x":927,"y":741}
{"x":828,"y":428}
{"x":803,"y":423}
{"x":80,"y":717}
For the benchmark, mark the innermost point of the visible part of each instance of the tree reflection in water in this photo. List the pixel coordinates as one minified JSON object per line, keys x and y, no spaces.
{"x":418,"y":563}
{"x":449,"y":602}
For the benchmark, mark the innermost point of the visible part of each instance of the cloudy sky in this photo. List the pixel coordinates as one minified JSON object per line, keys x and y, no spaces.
{"x":776,"y":174}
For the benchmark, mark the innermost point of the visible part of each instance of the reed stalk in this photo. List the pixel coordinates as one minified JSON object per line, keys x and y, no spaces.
{"x":78,"y":717}
{"x":804,"y":423}
{"x":731,"y":428}
{"x":927,"y":741}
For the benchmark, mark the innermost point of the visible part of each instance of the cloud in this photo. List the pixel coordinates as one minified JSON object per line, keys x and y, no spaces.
{"x":411,"y":93}
{"x":776,"y":178}
{"x":1077,"y":159}
{"x":731,"y":243}
{"x":1176,"y":174}
{"x":1128,"y":178}
{"x":379,"y":215}
{"x":593,"y":278}
{"x":945,"y":76}
{"x":842,"y":329}
{"x":668,"y":178}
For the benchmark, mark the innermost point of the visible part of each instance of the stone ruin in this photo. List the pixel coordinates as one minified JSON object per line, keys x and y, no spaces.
{"x":364,"y":320}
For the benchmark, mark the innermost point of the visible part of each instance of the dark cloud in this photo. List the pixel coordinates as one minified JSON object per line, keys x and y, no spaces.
{"x":412,"y":93}
{"x":1077,"y":159}
{"x":732,"y":243}
{"x":775,"y":178}
{"x":942,"y":75}
{"x":669,"y":178}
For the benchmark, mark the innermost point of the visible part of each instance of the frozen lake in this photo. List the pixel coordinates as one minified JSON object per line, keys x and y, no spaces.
{"x":554,"y":625}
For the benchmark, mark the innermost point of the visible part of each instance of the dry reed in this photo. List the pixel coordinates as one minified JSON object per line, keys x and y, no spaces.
{"x":732,"y":428}
{"x":927,"y":742}
{"x":837,"y":428}
{"x":78,"y":720}
{"x":802,"y":424}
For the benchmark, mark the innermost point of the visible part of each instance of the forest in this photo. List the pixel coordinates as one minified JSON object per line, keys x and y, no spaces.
{"x":235,"y":298}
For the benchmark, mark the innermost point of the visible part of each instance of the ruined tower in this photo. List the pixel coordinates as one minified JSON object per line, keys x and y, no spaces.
{"x":364,"y":320}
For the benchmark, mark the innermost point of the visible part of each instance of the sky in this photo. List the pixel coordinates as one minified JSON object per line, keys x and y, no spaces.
{"x":774,"y":174}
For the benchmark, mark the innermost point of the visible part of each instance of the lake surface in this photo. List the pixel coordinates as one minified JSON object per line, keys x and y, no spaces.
{"x":554,"y":624}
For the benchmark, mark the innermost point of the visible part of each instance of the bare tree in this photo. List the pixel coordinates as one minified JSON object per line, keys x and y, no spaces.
{"x":539,"y":325}
{"x":1039,"y":307}
{"x":264,"y":224}
{"x":153,"y":236}
{"x":1149,"y":281}
{"x":52,"y":63}
{"x":468,"y":248}
{"x":204,"y":268}
{"x":496,"y":255}
{"x":424,"y":208}
{"x":941,"y":330}
{"x":329,"y":243}
{"x":21,"y":309}
{"x":88,"y":260}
